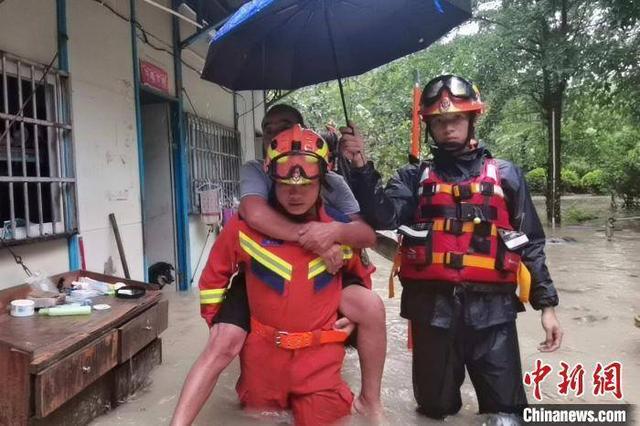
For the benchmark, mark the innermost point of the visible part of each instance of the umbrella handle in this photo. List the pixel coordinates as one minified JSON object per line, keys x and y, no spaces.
{"x":344,"y":103}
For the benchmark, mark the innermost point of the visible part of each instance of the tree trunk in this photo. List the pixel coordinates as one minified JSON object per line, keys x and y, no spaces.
{"x":553,"y":115}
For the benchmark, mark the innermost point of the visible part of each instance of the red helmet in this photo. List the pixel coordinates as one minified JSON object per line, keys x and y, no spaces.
{"x":296,"y":156}
{"x":450,"y":93}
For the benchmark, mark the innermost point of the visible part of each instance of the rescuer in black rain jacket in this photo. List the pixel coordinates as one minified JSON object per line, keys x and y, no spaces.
{"x":472,"y":252}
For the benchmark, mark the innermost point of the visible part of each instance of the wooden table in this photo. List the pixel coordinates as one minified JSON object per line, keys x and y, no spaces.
{"x":57,"y":370}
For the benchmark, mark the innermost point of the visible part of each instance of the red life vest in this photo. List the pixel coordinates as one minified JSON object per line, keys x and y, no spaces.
{"x":454,"y":237}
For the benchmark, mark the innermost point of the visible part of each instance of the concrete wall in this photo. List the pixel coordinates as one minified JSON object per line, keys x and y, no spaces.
{"x":105,"y":133}
{"x":157,"y":25}
{"x":28,"y":29}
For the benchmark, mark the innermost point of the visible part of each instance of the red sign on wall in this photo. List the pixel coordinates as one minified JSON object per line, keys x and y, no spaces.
{"x":154,"y":76}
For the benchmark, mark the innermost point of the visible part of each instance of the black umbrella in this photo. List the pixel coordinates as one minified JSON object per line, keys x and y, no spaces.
{"x":288,"y":44}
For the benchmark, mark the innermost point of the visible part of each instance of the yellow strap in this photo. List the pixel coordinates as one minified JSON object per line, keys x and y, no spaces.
{"x":395,"y":269}
{"x":211,"y":300}
{"x":211,"y":296}
{"x":317,"y":265}
{"x":524,"y":283}
{"x":265,"y":257}
{"x":467,"y":260}
{"x":212,"y":292}
{"x":439,"y":225}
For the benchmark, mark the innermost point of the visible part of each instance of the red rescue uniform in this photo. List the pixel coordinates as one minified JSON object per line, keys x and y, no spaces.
{"x":291,"y":358}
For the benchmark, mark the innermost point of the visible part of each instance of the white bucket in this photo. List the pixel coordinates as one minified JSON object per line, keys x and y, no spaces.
{"x":22,"y":308}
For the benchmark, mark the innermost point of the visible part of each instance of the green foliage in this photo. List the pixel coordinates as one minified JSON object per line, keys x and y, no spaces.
{"x":537,"y":180}
{"x":517,"y":135}
{"x":521,"y":51}
{"x":574,"y":216}
{"x":380,"y":102}
{"x":624,"y":170}
{"x":604,"y":133}
{"x":570,"y":181}
{"x":594,"y":181}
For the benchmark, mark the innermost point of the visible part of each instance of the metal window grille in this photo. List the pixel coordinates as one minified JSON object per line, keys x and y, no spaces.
{"x":215,"y":158}
{"x":37,"y":174}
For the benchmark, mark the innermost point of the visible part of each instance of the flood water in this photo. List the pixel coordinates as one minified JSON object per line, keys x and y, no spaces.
{"x":599,"y":286}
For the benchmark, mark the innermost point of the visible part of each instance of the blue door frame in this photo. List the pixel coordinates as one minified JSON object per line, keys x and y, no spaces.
{"x":181,"y":164}
{"x":73,"y":243}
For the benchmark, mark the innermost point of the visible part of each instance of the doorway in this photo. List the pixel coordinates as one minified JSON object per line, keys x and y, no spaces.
{"x":158,"y":207}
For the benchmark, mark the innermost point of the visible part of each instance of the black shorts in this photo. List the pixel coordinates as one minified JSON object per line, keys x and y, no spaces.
{"x":235,"y":308}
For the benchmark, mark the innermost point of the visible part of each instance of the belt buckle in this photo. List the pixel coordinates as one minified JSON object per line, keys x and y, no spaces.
{"x":454,"y":260}
{"x":461,"y":192}
{"x":429,"y":189}
{"x":278,"y":337}
{"x":453,"y":226}
{"x":486,"y":188}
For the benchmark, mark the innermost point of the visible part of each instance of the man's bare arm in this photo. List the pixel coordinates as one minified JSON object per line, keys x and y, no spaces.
{"x":314,"y":236}
{"x":319,"y":237}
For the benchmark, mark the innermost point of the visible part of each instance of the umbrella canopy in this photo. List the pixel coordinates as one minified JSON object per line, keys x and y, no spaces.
{"x":288,"y":44}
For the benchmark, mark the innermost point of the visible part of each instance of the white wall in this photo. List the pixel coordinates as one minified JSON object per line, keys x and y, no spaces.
{"x":28,"y":29}
{"x":105,"y":133}
{"x":157,"y":24}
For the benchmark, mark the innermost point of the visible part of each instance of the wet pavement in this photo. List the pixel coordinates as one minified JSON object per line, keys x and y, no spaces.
{"x":599,"y":286}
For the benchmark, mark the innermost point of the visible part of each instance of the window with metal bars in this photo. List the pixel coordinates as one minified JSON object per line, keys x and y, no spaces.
{"x":215,"y":158}
{"x":37,"y":174}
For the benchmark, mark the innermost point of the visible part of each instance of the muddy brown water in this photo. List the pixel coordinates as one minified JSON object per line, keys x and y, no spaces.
{"x":599,"y":286}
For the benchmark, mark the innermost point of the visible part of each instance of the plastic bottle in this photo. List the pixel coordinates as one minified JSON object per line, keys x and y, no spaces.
{"x":65,"y":310}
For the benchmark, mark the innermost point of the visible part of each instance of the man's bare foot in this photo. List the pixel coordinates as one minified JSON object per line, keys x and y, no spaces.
{"x":366,"y":408}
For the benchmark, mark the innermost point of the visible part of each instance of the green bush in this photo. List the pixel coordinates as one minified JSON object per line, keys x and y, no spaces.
{"x":537,"y":180}
{"x":579,"y":165}
{"x":570,"y":181}
{"x":574,"y":216}
{"x":594,"y":181}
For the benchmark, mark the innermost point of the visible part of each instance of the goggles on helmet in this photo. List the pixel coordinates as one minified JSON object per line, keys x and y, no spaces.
{"x":297,"y":156}
{"x":297,"y":168}
{"x":460,"y":96}
{"x":458,"y":87}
